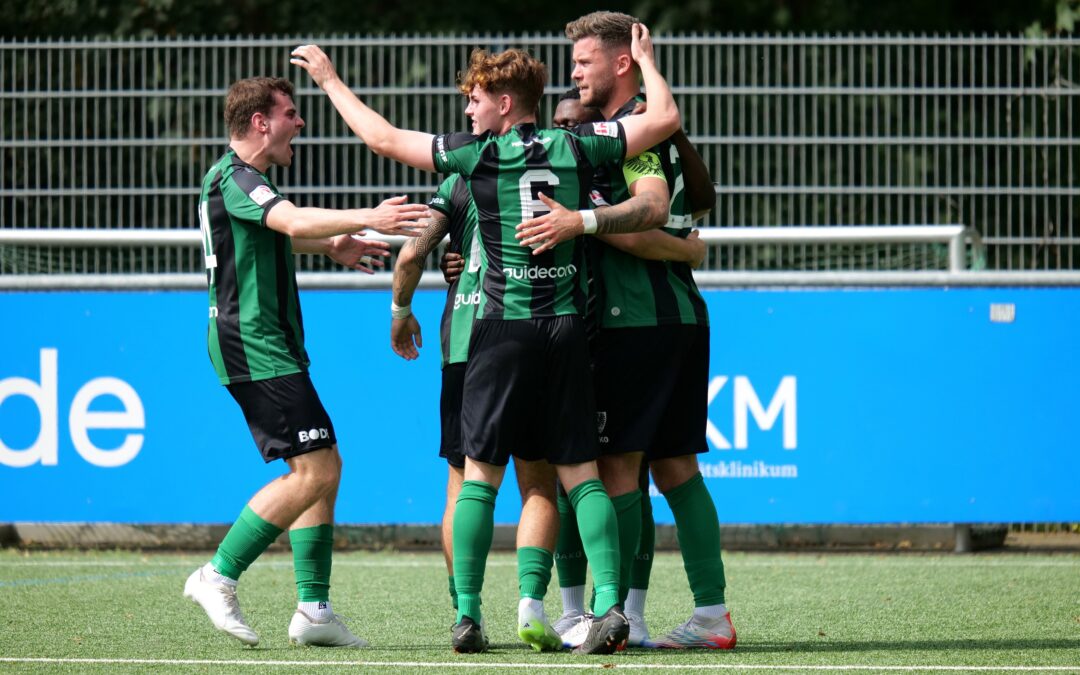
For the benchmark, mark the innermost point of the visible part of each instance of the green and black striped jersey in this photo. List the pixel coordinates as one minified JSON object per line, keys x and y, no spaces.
{"x":453,"y":200}
{"x":630,"y":291}
{"x":256,"y":331}
{"x":505,"y":174}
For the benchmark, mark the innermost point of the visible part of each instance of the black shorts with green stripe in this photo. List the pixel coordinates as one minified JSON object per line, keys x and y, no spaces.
{"x":528,"y":392}
{"x":652,"y":390}
{"x":285,"y":416}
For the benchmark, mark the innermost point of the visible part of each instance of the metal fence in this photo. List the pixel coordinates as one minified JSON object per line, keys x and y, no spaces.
{"x":797,"y":130}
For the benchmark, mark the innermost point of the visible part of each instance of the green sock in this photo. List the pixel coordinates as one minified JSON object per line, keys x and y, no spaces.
{"x":453,"y":592}
{"x":312,"y":549}
{"x":600,"y":537}
{"x":699,"y":538}
{"x":474,"y":523}
{"x":641,"y":569}
{"x":249,"y":536}
{"x":534,"y":571}
{"x":569,"y":554}
{"x":628,"y":516}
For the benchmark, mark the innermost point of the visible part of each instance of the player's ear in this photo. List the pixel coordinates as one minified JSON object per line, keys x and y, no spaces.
{"x":259,"y":122}
{"x":506,"y":104}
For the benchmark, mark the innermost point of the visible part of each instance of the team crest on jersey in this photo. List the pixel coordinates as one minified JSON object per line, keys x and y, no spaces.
{"x":606,"y":129}
{"x":597,"y":198}
{"x":261,"y":194}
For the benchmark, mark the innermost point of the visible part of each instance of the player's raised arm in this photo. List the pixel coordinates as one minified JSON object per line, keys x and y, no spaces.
{"x":661,"y":118}
{"x":409,"y":147}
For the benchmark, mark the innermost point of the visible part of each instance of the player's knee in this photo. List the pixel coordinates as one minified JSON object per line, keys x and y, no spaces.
{"x":619,"y":473}
{"x":318,"y":473}
{"x":669,"y":474}
{"x":542,"y":490}
{"x":323,"y":483}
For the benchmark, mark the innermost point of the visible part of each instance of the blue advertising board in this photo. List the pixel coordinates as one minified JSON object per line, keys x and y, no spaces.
{"x":825,"y":406}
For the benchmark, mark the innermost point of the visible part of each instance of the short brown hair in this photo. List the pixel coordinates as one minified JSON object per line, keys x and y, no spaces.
{"x":249,"y":96}
{"x":514,"y":72}
{"x":612,"y":29}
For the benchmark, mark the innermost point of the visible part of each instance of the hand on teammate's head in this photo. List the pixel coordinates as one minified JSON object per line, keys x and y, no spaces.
{"x":641,"y":46}
{"x":315,"y":61}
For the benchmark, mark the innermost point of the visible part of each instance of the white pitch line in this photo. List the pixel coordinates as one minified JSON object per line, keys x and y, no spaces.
{"x":659,"y":562}
{"x":474,"y":665}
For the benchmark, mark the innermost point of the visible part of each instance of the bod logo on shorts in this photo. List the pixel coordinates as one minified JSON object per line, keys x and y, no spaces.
{"x":313,"y":434}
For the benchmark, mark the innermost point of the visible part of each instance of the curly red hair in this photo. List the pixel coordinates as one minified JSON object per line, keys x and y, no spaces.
{"x":514,"y":72}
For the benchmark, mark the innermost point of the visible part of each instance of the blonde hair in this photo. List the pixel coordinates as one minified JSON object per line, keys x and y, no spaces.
{"x":612,"y":29}
{"x":514,"y":72}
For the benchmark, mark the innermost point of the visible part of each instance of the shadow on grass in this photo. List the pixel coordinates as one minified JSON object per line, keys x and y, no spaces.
{"x":825,"y":645}
{"x":745,"y":647}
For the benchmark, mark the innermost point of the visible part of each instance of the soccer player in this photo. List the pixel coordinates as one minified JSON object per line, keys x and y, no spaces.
{"x":256,"y":345}
{"x":528,"y":357}
{"x":652,"y":351}
{"x":454,"y":213}
{"x":651,"y":244}
{"x":569,"y":112}
{"x":633,"y":511}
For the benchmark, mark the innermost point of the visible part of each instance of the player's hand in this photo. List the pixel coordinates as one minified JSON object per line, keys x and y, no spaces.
{"x":452,"y":265}
{"x":641,"y":47}
{"x":394,"y":216}
{"x":405,"y":337}
{"x":640,"y":107}
{"x":316,"y":62}
{"x":363,"y":255}
{"x":545,"y":232}
{"x":699,"y":247}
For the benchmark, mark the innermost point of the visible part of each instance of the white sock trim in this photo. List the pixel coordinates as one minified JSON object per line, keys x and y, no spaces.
{"x":711,"y":612}
{"x":635,"y":601}
{"x":573,"y":598}
{"x":213,"y":576}
{"x":317,"y":611}
{"x":530,"y":608}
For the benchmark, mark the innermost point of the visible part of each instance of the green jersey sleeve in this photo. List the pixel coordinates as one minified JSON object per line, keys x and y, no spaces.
{"x":602,"y":142}
{"x":249,"y":196}
{"x":457,"y":153}
{"x":441,"y":200}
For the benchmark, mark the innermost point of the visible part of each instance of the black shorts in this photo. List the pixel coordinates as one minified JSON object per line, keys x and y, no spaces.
{"x":652,"y":390}
{"x":528,"y":392}
{"x":285,"y":416}
{"x":453,"y":382}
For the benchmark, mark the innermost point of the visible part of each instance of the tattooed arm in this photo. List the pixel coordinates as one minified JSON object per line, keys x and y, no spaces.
{"x":405,"y":335}
{"x":647,"y":209}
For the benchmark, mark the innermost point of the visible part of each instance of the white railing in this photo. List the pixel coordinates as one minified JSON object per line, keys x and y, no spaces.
{"x":817,"y":130}
{"x":957,"y":237}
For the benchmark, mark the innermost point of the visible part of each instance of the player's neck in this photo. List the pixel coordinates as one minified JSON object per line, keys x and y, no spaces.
{"x":510,"y":122}
{"x":625,"y":89}
{"x":251,"y":152}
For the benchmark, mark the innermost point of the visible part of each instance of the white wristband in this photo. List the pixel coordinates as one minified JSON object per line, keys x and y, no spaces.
{"x":588,"y":219}
{"x":399,"y":312}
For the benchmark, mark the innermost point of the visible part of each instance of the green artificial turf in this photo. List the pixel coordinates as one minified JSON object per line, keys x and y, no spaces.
{"x":793,"y":613}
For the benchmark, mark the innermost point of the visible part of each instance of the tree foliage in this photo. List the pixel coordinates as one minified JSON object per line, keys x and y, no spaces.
{"x":149,"y":18}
